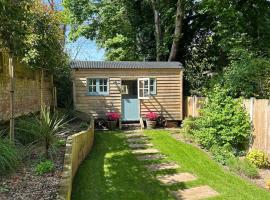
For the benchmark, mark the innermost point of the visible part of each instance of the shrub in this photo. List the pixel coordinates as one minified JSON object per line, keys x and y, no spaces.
{"x":188,"y":125}
{"x":258,"y":158}
{"x":83,"y":125}
{"x":113,"y":116}
{"x":9,"y":156}
{"x":223,"y":121}
{"x":243,"y":167}
{"x":221,"y":154}
{"x":152,"y":116}
{"x":60,"y":143}
{"x":44,"y":167}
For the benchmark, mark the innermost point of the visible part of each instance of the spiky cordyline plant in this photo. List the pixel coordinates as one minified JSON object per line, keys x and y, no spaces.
{"x":45,"y":129}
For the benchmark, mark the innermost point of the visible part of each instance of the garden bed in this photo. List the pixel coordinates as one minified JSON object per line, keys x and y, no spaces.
{"x":264,"y":174}
{"x":26,"y":184}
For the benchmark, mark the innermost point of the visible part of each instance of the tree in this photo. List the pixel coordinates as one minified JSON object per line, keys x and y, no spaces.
{"x":201,"y":34}
{"x":178,"y":32}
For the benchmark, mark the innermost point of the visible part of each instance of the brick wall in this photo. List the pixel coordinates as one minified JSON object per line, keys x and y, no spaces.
{"x":27,"y":90}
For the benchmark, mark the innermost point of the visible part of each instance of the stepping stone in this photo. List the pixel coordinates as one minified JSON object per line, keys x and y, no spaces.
{"x":150,"y":157}
{"x":136,"y":140}
{"x":136,"y":135}
{"x":139,"y":146}
{"x":145,"y":151}
{"x":162,"y":166}
{"x":176,"y":178}
{"x":133,"y":131}
{"x":195,"y":193}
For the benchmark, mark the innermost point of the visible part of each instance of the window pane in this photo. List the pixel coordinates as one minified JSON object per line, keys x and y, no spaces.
{"x":105,"y":89}
{"x":146,"y":83}
{"x":101,"y":88}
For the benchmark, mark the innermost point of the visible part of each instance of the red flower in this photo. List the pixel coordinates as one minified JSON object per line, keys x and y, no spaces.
{"x":113,"y":116}
{"x":152,"y":116}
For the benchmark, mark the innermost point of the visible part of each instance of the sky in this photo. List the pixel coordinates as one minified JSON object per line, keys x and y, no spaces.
{"x":82,"y":48}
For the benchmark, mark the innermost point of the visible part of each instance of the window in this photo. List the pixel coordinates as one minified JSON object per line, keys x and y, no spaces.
{"x":98,"y":86}
{"x":143,"y":88}
{"x":153,"y":86}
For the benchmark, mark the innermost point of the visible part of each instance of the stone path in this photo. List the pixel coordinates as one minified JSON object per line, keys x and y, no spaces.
{"x":138,"y":146}
{"x":150,"y":157}
{"x":176,"y":178}
{"x":196,"y":193}
{"x":144,"y":152}
{"x":137,"y":140}
{"x":161,"y":166}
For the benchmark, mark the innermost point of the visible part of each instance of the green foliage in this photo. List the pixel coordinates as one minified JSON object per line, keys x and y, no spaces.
{"x":32,"y":31}
{"x":25,"y":131}
{"x":243,"y":167}
{"x":223,"y":122}
{"x":60,"y":143}
{"x":221,"y":154}
{"x":9,"y":156}
{"x":44,"y":167}
{"x":258,"y":158}
{"x":45,"y":129}
{"x":212,"y":31}
{"x":83,"y":125}
{"x":248,"y":75}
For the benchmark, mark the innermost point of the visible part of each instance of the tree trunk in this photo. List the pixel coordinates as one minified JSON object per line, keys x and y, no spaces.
{"x":178,"y":32}
{"x":12,"y":98}
{"x":158,"y":33}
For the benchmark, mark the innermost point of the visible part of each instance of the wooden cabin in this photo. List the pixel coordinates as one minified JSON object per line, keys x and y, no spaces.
{"x":130,"y":88}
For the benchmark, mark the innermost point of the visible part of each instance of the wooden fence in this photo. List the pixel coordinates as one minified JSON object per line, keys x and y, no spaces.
{"x":77,"y":148}
{"x":30,"y":90}
{"x":259,"y":112}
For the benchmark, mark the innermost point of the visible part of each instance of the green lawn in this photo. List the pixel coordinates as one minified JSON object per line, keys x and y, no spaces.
{"x":112,"y":172}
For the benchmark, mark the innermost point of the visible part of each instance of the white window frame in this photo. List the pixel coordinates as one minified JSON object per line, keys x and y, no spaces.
{"x":154,"y":92}
{"x":143,"y":88}
{"x":98,"y":92}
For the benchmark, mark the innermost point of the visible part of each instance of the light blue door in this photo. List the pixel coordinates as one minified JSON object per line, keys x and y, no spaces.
{"x":130,"y":109}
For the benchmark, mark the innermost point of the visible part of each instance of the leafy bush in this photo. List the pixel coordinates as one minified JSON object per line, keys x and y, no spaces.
{"x":44,"y":167}
{"x":221,"y":154}
{"x":60,"y":143}
{"x":84,"y":125}
{"x":188,"y":125}
{"x":9,"y":156}
{"x":243,"y":166}
{"x":258,"y":158}
{"x":223,"y":122}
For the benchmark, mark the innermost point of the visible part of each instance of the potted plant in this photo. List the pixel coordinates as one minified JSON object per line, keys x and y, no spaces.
{"x":112,"y":118}
{"x":151,"y":118}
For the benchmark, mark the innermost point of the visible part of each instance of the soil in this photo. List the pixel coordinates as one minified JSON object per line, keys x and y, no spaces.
{"x":24,"y":184}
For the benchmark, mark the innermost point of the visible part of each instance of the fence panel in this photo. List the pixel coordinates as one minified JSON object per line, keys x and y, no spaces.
{"x":259,"y":112}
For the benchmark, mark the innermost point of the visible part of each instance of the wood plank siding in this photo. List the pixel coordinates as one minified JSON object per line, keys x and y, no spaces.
{"x":167,"y":101}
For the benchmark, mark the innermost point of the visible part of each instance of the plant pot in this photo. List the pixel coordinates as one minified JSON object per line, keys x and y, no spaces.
{"x":151,"y":124}
{"x":112,"y":125}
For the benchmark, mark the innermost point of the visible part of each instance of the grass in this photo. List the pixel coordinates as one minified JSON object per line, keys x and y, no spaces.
{"x":112,"y":172}
{"x":195,"y":161}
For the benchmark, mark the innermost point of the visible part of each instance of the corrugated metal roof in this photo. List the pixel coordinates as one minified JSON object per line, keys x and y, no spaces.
{"x":123,"y":65}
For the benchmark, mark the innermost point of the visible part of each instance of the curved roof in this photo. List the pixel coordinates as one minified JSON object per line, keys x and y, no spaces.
{"x":124,"y":65}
